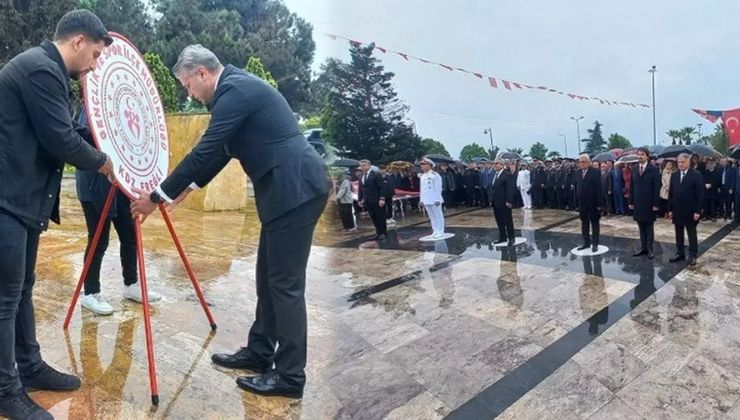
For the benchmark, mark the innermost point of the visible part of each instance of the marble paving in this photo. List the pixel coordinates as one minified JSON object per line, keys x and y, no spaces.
{"x":405,"y":330}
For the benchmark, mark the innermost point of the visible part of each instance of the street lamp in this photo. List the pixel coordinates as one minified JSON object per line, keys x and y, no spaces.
{"x":652,"y":75}
{"x":489,"y":131}
{"x":699,"y":126}
{"x":565,"y":142}
{"x":578,"y":131}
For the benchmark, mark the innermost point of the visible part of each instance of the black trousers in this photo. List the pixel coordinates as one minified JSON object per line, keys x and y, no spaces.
{"x":590,"y":218}
{"x":647,"y":235}
{"x":737,"y":206}
{"x":388,"y":207}
{"x":378,"y":216}
{"x":124,"y":224}
{"x":552,"y":201}
{"x":726,"y":201}
{"x":280,"y":318}
{"x":19,"y":350}
{"x":470,"y":194}
{"x":693,"y":241}
{"x":560,"y":195}
{"x":505,"y":222}
{"x":345,"y":213}
{"x":537,"y":196}
{"x":483,"y":202}
{"x":710,"y":208}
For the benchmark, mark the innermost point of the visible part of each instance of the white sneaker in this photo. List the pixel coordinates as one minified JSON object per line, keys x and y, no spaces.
{"x":133,"y":292}
{"x":96,"y":304}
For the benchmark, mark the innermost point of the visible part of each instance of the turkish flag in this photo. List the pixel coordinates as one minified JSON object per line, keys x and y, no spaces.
{"x":731,"y":119}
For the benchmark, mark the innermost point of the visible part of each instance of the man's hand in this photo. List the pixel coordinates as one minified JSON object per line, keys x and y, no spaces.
{"x":107,"y":169}
{"x":610,"y":193}
{"x":171,"y":206}
{"x":381,"y":203}
{"x":509,"y":205}
{"x":142,"y":207}
{"x":707,"y":186}
{"x":655,"y":208}
{"x":670,"y":215}
{"x":697,"y":216}
{"x":632,"y":207}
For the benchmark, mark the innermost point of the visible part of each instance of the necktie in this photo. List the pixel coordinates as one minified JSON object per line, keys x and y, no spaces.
{"x":682,"y":175}
{"x":364,"y":178}
{"x":642,"y":169}
{"x":495,"y":177}
{"x":723,"y":176}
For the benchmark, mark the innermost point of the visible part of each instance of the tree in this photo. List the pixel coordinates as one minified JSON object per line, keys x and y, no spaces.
{"x":320,"y":87}
{"x":492,"y":153}
{"x":471,"y":151}
{"x":595,"y":142}
{"x":431,"y":146}
{"x":618,"y":141}
{"x":364,"y":117}
{"x":255,"y":66}
{"x":166,"y":84}
{"x":687,"y":134}
{"x":311,"y":123}
{"x":130,"y":18}
{"x":538,"y":151}
{"x":25,"y":23}
{"x":674,"y":135}
{"x":718,"y":139}
{"x":553,"y":154}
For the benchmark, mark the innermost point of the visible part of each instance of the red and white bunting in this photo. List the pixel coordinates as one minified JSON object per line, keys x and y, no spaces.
{"x":493,"y":81}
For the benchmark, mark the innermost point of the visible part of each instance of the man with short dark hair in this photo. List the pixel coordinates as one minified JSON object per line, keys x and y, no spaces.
{"x":644,"y":200}
{"x":37,"y":137}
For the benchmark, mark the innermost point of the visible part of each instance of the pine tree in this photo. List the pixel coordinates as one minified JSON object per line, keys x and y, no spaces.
{"x":595,"y":142}
{"x":364,"y":116}
{"x":538,"y":151}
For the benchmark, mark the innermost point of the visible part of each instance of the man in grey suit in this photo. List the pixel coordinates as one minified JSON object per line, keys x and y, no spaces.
{"x":252,"y":122}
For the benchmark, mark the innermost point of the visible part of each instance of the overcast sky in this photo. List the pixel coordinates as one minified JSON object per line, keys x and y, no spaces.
{"x":593,"y":48}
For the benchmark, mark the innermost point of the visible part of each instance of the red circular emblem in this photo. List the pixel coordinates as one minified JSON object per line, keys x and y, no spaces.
{"x":126,"y":116}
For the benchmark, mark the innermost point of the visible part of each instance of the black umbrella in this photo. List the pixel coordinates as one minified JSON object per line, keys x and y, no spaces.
{"x":673,"y":151}
{"x":346,"y":163}
{"x":626,"y":159}
{"x":656,"y":149}
{"x":508,"y":156}
{"x":437,"y":158}
{"x":704,"y":150}
{"x":480,"y":160}
{"x":604,"y":157}
{"x":735,"y":151}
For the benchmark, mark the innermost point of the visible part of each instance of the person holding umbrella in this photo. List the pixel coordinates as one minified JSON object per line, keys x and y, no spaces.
{"x":644,"y":199}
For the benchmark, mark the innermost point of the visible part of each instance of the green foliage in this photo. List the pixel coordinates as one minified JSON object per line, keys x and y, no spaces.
{"x":518,"y":150}
{"x":311,"y":123}
{"x":193,"y":106}
{"x":538,"y":151}
{"x":493,"y":152}
{"x":130,"y":18}
{"x":618,"y":141}
{"x":164,"y":80}
{"x":595,"y":142}
{"x":431,"y":146}
{"x":553,"y":154}
{"x":682,"y":135}
{"x":471,"y":151}
{"x":364,"y":117}
{"x":718,"y":139}
{"x":255,"y":66}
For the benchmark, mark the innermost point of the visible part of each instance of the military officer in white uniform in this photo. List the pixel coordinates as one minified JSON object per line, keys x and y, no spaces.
{"x":430,"y":184}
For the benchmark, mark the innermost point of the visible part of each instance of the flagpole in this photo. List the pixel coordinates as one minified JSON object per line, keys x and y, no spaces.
{"x":652,"y":74}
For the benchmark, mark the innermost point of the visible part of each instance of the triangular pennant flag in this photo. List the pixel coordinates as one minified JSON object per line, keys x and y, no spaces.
{"x":492,"y":82}
{"x":478,"y":75}
{"x":507,"y":85}
{"x":383,"y":50}
{"x":572,"y":96}
{"x":405,"y":56}
{"x":355,"y":43}
{"x":446,"y":66}
{"x":516,"y":85}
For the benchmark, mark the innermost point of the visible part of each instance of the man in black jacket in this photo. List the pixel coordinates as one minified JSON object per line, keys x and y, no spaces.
{"x":472,"y":184}
{"x":644,"y":200}
{"x":685,"y":198}
{"x":590,"y":196}
{"x":503,"y":201}
{"x":37,"y":136}
{"x":372,"y":197}
{"x":252,"y":121}
{"x":712,"y":183}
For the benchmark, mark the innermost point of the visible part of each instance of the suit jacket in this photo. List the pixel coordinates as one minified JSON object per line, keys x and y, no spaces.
{"x":503,"y":189}
{"x":714,"y":179}
{"x":730,"y":175}
{"x":645,"y":192}
{"x":686,"y":198}
{"x":374,"y":188}
{"x":589,"y":190}
{"x":252,"y":122}
{"x":606,"y":182}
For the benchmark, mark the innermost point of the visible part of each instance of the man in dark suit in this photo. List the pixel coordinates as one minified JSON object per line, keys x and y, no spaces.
{"x":372,"y":197}
{"x":590,"y":196}
{"x":37,"y":137}
{"x":503,"y":201}
{"x":251,"y":121}
{"x":606,"y":190}
{"x":472,"y":184}
{"x":727,"y":188}
{"x":644,"y":199}
{"x":685,"y":198}
{"x":539,"y":179}
{"x":712,"y":181}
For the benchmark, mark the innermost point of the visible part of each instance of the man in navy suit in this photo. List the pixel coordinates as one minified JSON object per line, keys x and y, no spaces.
{"x":685,"y":199}
{"x":590,"y":196}
{"x":252,"y":122}
{"x":727,"y":188}
{"x":644,"y":199}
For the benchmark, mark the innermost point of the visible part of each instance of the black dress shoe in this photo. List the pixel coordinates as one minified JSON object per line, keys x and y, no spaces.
{"x":650,"y":255}
{"x":500,"y":241}
{"x":594,"y":248}
{"x":640,"y":252}
{"x":19,"y":405}
{"x":49,"y":379}
{"x":511,"y":242}
{"x":677,"y":258}
{"x":692,"y":261}
{"x":270,"y":384}
{"x":381,"y":237}
{"x":375,"y":238}
{"x":244,"y":358}
{"x":582,"y":247}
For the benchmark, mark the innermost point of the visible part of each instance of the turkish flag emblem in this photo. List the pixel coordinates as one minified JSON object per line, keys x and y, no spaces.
{"x":731,"y":119}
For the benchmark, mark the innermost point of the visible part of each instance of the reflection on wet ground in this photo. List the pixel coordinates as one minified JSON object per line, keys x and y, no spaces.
{"x":404,"y":329}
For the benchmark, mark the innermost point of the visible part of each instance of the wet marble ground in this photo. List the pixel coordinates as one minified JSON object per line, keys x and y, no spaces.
{"x":402,"y":329}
